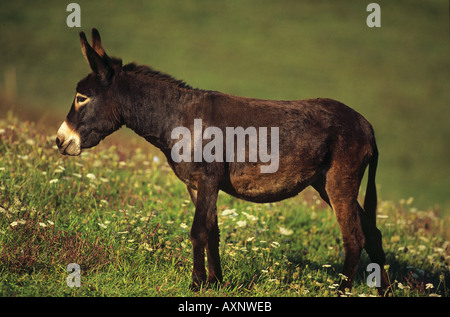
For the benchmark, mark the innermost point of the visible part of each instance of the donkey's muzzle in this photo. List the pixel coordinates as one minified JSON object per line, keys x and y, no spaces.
{"x":68,"y":140}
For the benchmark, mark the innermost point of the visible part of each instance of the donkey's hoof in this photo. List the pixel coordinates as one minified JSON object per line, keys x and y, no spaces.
{"x":385,"y":291}
{"x":214,"y":280}
{"x":197,"y":285}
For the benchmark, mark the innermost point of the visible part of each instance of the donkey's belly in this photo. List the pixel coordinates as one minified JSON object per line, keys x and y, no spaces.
{"x":247,"y":182}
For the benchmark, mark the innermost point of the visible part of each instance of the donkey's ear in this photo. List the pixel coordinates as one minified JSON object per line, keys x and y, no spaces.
{"x":99,"y":64}
{"x":97,"y":43}
{"x":114,"y":62}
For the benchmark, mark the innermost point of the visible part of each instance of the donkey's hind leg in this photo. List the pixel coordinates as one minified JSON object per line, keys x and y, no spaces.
{"x":342,"y":192}
{"x":374,"y":248}
{"x":373,"y":243}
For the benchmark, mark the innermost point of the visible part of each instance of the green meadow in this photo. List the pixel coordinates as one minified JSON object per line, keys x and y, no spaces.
{"x":121,"y":214}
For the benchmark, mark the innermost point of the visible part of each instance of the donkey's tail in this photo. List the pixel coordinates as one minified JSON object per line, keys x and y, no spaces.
{"x":370,"y":201}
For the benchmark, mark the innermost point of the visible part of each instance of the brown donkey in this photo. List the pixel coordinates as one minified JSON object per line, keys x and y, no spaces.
{"x":318,"y":142}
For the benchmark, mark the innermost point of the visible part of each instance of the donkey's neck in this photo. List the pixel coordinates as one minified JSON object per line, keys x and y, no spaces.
{"x":152,"y":106}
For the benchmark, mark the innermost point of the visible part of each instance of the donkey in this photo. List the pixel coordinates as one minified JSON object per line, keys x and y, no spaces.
{"x":322,"y":143}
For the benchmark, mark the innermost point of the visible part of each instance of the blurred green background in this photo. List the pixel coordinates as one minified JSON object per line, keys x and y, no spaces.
{"x":397,"y":76}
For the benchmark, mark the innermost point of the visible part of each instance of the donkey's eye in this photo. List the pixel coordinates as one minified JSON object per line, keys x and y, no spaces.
{"x":81,"y":99}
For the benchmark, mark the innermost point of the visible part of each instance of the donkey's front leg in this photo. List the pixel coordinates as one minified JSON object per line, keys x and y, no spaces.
{"x":212,"y":248}
{"x":205,"y":234}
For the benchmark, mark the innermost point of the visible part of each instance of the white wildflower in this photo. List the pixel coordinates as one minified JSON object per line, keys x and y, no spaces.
{"x":345,"y":278}
{"x":18,"y":222}
{"x":229,"y":212}
{"x":285,"y":231}
{"x":147,"y":246}
{"x":274,"y":244}
{"x":274,"y":280}
{"x":250,"y":217}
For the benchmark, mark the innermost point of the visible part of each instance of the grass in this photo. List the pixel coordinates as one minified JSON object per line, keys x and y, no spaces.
{"x":120,"y":213}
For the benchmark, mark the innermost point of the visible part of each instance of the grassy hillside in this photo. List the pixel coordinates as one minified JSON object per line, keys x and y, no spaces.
{"x":120,"y":213}
{"x":396,"y":75}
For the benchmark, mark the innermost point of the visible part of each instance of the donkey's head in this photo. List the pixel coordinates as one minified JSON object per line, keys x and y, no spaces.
{"x":94,"y":111}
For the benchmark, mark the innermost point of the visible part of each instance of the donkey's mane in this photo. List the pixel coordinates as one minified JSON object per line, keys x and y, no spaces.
{"x":143,"y":70}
